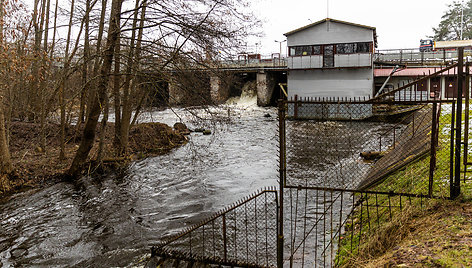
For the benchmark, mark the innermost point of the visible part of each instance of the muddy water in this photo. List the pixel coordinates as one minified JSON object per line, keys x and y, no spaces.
{"x":113,"y":220}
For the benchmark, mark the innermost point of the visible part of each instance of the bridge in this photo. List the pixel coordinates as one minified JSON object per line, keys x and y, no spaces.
{"x":270,"y":70}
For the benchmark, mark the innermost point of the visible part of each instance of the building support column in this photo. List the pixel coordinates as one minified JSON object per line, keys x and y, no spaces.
{"x":176,"y":93}
{"x":265,"y":88}
{"x":219,"y":90}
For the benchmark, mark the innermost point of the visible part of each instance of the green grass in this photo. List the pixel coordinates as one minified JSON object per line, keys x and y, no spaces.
{"x":412,"y":179}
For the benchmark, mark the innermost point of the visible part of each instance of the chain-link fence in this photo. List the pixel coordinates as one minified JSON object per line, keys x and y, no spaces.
{"x":346,"y":177}
{"x":243,"y":235}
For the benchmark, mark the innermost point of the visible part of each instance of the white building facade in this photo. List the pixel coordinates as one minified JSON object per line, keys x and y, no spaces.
{"x":331,"y":59}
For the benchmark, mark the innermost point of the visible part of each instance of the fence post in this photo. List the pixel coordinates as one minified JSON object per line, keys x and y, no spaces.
{"x":225,"y":247}
{"x":466,"y":119}
{"x":432,"y":160}
{"x":451,"y":149}
{"x":282,"y":167}
{"x":457,"y":173}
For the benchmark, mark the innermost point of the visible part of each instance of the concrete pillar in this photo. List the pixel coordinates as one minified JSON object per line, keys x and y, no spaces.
{"x":175,"y":93}
{"x":265,"y":88}
{"x":219,"y":90}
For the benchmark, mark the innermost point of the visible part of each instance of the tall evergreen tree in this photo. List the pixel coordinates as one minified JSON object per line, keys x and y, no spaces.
{"x":450,"y":26}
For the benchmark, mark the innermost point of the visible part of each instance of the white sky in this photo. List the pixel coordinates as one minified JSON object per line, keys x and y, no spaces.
{"x":399,"y":23}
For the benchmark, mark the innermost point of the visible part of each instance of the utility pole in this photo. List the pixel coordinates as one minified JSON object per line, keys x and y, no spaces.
{"x":462,"y":20}
{"x":280,"y":51}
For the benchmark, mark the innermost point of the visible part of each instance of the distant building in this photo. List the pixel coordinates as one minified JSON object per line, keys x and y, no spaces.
{"x":442,"y":86}
{"x":331,"y":58}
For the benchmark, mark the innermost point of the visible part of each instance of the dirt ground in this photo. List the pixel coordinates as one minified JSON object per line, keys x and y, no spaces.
{"x":34,"y":166}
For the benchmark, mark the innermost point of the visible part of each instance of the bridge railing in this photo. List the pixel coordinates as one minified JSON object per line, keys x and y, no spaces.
{"x":414,"y":55}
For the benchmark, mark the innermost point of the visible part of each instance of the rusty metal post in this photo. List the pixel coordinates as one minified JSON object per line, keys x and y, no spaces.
{"x":466,"y":119}
{"x":451,"y":149}
{"x":432,"y":160}
{"x":225,"y":247}
{"x":457,"y":165}
{"x":282,"y":168}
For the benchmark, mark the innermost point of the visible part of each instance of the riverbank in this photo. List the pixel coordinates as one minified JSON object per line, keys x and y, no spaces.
{"x":35,"y":166}
{"x":440,"y":236}
{"x":418,"y":231}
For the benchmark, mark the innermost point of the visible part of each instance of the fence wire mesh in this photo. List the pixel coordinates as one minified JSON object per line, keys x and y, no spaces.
{"x":244,"y":234}
{"x":345,"y":177}
{"x":430,"y":170}
{"x":360,"y":154}
{"x":327,"y":227}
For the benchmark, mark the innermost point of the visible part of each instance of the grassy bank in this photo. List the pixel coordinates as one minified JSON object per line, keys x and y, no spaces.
{"x":415,"y":231}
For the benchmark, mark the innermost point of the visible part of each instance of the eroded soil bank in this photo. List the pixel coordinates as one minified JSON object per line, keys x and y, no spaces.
{"x":35,"y":166}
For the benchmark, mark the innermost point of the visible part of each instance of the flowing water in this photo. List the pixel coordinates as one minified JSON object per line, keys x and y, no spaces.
{"x":113,"y":220}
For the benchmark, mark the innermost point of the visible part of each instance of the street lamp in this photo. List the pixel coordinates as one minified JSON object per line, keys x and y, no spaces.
{"x":280,"y":43}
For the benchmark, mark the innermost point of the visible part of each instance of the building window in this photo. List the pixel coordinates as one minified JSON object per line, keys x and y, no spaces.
{"x":363,"y":47}
{"x":345,"y":48}
{"x":300,"y":51}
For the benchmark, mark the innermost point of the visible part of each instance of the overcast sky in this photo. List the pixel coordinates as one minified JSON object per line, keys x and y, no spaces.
{"x":399,"y":23}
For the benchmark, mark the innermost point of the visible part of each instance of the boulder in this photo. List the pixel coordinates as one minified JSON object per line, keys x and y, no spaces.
{"x":181,"y":128}
{"x":371,"y":155}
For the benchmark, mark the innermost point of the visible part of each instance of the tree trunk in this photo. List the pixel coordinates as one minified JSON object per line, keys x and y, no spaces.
{"x":63,"y":85}
{"x":5,"y":160}
{"x":33,"y":94}
{"x":96,"y":65}
{"x":88,"y":137}
{"x":51,"y":53}
{"x":117,"y":94}
{"x":84,"y":90}
{"x":129,"y":85}
{"x":43,"y":81}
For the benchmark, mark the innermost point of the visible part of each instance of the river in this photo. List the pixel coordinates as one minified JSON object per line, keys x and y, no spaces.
{"x":113,"y":220}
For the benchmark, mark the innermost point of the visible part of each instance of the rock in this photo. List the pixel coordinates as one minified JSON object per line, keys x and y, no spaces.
{"x":199,"y":129}
{"x":371,"y":155}
{"x":267,"y":115}
{"x":181,"y":128}
{"x":206,"y":132}
{"x":18,"y":252}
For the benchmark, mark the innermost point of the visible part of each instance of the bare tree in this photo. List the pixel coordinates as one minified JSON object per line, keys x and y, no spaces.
{"x":100,"y":95}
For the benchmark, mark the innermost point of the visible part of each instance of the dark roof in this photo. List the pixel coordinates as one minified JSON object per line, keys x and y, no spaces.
{"x":333,"y":20}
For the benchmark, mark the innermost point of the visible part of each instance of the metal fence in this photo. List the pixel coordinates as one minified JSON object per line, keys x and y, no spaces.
{"x":414,"y":56}
{"x":344,"y":178}
{"x":242,"y":235}
{"x":347,"y":170}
